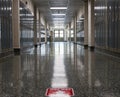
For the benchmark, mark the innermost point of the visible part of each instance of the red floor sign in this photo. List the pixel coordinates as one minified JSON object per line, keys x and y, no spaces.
{"x":59,"y":91}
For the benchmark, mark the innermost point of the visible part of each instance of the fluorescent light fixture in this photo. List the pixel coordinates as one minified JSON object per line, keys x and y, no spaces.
{"x":59,"y":26}
{"x":58,"y":18}
{"x":26,"y":15}
{"x":58,"y":21}
{"x":100,"y":8}
{"x":58,"y":7}
{"x":58,"y":14}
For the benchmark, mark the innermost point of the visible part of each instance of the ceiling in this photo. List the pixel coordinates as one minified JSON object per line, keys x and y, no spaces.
{"x":72,"y":7}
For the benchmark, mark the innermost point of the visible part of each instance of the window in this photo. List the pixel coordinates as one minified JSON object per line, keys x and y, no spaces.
{"x":56,"y":33}
{"x":72,"y":34}
{"x":61,"y":34}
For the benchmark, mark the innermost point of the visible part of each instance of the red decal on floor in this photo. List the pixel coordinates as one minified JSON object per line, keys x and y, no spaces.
{"x":59,"y":91}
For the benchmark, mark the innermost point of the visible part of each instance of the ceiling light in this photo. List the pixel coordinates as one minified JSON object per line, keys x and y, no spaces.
{"x":58,"y":14}
{"x":59,"y":27}
{"x":58,"y":22}
{"x":58,"y":7}
{"x":100,"y":8}
{"x":26,"y":15}
{"x":58,"y":18}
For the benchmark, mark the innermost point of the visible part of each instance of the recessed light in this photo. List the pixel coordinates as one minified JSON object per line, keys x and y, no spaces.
{"x":100,"y":8}
{"x":58,"y":14}
{"x":58,"y":7}
{"x":58,"y":21}
{"x":58,"y":18}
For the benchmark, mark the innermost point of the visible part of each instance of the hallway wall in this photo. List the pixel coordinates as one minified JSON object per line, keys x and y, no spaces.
{"x":80,"y":32}
{"x":107,"y":24}
{"x":5,"y":26}
{"x":26,"y":26}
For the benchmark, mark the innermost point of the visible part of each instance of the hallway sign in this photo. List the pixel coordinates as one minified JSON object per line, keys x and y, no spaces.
{"x":59,"y":92}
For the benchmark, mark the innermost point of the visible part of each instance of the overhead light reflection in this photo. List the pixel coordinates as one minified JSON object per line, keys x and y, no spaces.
{"x":59,"y":79}
{"x":59,"y":75}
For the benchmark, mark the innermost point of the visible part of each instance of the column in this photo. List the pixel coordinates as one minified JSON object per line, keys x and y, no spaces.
{"x":70,"y":32}
{"x":39,"y":29}
{"x":49,"y":33}
{"x":16,"y":26}
{"x":35,"y":26}
{"x":91,"y":34}
{"x":54,"y":35}
{"x":65,"y":35}
{"x":86,"y":24}
{"x":45,"y":32}
{"x":75,"y":29}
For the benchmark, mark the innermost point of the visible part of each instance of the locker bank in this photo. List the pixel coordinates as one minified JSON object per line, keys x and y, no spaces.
{"x":59,"y":48}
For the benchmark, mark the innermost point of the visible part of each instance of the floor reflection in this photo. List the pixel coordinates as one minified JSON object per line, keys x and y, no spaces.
{"x":59,"y":79}
{"x":60,"y":65}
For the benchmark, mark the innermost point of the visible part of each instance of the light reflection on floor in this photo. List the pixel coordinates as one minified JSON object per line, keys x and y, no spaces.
{"x":59,"y":79}
{"x":89,"y":73}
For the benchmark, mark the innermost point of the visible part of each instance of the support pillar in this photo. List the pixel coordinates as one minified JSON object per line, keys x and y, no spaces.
{"x":65,"y":35}
{"x":49,"y":33}
{"x":86,"y":24}
{"x":35,"y":26}
{"x":75,"y":29}
{"x":91,"y":33}
{"x":70,"y":32}
{"x":16,"y":26}
{"x":39,"y":30}
{"x":45,"y":32}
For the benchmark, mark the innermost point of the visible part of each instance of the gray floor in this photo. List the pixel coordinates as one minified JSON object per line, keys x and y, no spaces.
{"x":60,"y":65}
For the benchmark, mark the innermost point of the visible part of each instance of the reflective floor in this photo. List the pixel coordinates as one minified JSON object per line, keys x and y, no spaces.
{"x":60,"y":65}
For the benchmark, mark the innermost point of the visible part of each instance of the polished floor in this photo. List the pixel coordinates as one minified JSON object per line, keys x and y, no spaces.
{"x":60,"y":65}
